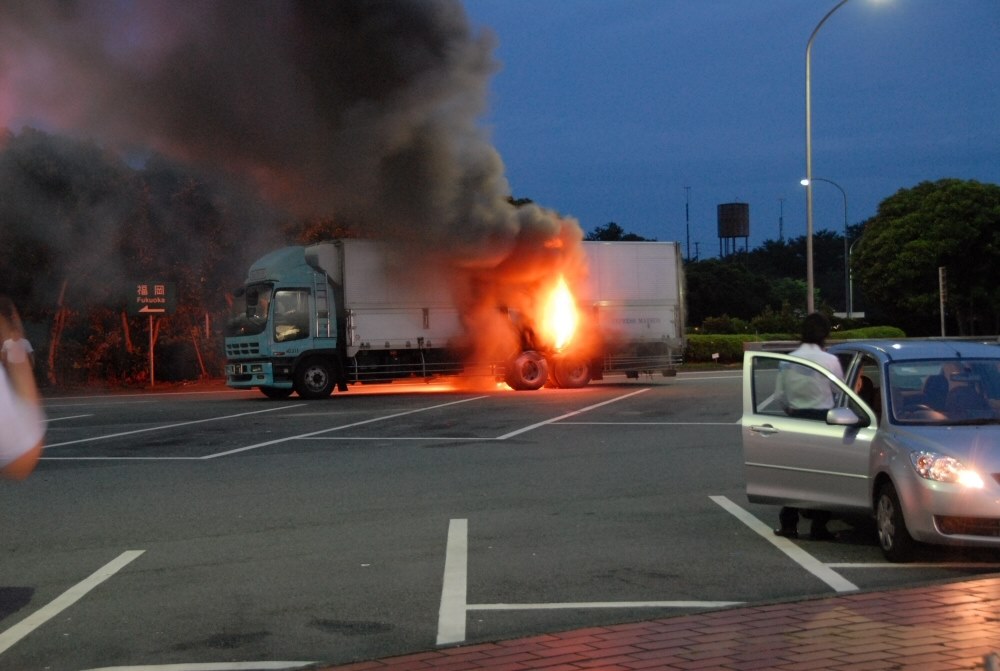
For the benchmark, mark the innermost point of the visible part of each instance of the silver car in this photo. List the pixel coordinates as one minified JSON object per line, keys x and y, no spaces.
{"x":913,"y":439}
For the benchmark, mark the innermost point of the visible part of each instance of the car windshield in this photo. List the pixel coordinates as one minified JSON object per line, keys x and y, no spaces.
{"x":945,"y":391}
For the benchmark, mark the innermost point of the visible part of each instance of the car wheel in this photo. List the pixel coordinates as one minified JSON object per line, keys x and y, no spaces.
{"x":526,"y":371}
{"x":275,"y":392}
{"x":314,"y":379}
{"x":897,"y":544}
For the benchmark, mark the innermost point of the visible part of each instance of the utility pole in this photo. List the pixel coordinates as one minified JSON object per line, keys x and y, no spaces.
{"x":781,"y":220}
{"x":687,"y":218}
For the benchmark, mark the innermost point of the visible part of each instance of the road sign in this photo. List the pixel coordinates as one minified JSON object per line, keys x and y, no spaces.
{"x":153,"y":298}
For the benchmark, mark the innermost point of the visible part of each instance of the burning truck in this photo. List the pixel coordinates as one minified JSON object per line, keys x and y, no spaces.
{"x":328,"y":315}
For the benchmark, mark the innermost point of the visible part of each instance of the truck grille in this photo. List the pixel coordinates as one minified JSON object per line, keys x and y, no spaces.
{"x":242,"y":349}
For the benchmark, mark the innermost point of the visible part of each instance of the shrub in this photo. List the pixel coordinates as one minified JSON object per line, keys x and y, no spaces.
{"x":701,"y":347}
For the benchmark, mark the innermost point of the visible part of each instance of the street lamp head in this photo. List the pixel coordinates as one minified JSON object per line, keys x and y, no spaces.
{"x":804,"y":182}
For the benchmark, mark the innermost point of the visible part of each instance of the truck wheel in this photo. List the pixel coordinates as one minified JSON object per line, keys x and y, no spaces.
{"x":526,"y":371}
{"x":275,"y":392}
{"x":571,"y":372}
{"x":893,"y":536}
{"x":314,"y":378}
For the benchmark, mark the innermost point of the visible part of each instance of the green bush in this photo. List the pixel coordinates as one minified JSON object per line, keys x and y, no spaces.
{"x":700,"y":348}
{"x":868,"y":333}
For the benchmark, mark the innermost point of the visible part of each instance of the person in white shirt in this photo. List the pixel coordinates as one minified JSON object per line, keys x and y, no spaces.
{"x":809,"y":395}
{"x":15,"y":346}
{"x":22,"y":424}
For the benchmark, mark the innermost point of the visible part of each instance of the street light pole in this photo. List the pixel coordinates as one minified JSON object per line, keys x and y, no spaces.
{"x":850,"y":294}
{"x":847,"y":261}
{"x":810,"y":282}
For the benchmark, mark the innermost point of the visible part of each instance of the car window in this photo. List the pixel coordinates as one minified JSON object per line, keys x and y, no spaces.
{"x":846,"y":359}
{"x":946,"y":392}
{"x":866,"y":380}
{"x":790,"y":389}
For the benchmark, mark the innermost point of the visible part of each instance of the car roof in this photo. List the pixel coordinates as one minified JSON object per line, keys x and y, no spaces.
{"x":905,"y":349}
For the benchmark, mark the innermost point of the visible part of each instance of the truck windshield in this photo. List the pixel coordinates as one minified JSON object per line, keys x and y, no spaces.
{"x":250,"y":311}
{"x":291,"y":314}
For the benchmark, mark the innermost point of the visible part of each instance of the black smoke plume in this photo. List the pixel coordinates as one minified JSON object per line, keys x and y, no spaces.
{"x":361,"y":109}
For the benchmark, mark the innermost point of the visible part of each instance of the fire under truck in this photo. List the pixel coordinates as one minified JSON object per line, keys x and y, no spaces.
{"x":328,"y":315}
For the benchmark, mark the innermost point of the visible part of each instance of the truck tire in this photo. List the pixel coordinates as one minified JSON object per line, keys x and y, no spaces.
{"x":314,"y":378}
{"x":571,"y":372}
{"x":276,"y":392}
{"x":527,"y":371}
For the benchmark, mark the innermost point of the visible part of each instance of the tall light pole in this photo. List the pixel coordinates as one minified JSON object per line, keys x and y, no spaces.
{"x":850,"y":294}
{"x":810,"y":282}
{"x":847,"y":263}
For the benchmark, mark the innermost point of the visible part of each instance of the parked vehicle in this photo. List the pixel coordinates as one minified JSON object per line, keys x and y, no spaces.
{"x":913,"y":440}
{"x":331,"y":314}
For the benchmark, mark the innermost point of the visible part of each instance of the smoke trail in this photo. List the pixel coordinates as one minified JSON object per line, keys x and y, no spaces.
{"x":363,"y":109}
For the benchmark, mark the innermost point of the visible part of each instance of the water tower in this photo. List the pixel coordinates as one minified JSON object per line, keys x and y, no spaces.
{"x":734,"y":223}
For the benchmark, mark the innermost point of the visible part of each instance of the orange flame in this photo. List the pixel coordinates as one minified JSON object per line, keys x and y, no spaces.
{"x":559,"y":315}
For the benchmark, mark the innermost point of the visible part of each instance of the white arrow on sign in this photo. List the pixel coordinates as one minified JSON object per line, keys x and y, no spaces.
{"x":146,"y":308}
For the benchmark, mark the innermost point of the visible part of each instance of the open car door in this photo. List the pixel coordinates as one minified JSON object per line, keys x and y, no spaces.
{"x":806,"y":460}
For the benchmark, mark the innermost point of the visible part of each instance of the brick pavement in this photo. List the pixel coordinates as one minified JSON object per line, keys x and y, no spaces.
{"x":932,"y":628}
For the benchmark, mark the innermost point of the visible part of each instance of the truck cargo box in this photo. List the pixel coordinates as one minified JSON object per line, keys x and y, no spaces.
{"x":387,"y":305}
{"x":634,"y":291}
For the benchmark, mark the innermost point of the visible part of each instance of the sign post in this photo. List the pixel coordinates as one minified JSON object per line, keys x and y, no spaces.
{"x":152,"y":299}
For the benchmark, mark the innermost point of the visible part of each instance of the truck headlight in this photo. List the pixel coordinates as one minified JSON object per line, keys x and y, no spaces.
{"x":942,"y":468}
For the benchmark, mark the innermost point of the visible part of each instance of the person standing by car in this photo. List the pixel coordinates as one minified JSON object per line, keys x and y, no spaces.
{"x":808,"y":395}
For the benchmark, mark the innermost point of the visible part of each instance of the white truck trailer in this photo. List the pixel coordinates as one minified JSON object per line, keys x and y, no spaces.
{"x":331,"y":314}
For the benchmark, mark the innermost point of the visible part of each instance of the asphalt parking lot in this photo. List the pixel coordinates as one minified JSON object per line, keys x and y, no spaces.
{"x":207,"y":526}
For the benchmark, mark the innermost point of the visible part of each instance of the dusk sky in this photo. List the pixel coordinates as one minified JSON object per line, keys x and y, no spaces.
{"x":607,"y":109}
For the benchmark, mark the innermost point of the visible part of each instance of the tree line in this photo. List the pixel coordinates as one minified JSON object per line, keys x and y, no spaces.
{"x":895,"y":269}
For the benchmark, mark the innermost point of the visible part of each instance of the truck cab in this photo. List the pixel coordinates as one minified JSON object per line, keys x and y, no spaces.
{"x":280,"y":316}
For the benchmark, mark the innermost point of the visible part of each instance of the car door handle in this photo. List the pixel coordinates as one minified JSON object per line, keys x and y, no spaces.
{"x":765,"y":430}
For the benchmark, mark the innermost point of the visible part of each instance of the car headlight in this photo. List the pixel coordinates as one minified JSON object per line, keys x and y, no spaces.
{"x":942,"y":468}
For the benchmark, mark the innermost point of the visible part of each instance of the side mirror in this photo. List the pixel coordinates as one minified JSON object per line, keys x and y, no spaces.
{"x":844,"y":417}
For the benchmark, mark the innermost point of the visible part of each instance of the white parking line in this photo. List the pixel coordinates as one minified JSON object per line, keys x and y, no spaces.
{"x":454,"y":599}
{"x":386,"y":439}
{"x":164,"y":427}
{"x":991,"y":566}
{"x":213,"y":666}
{"x":532,"y":427}
{"x":65,"y":600}
{"x":601,"y":604}
{"x":454,"y":593}
{"x":800,"y":556}
{"x":146,"y":394}
{"x":337,"y":428}
{"x":736,"y":423}
{"x":62,"y":419}
{"x":48,"y":405}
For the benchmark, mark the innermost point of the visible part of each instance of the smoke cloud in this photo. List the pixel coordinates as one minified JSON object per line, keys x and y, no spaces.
{"x":366,"y":110}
